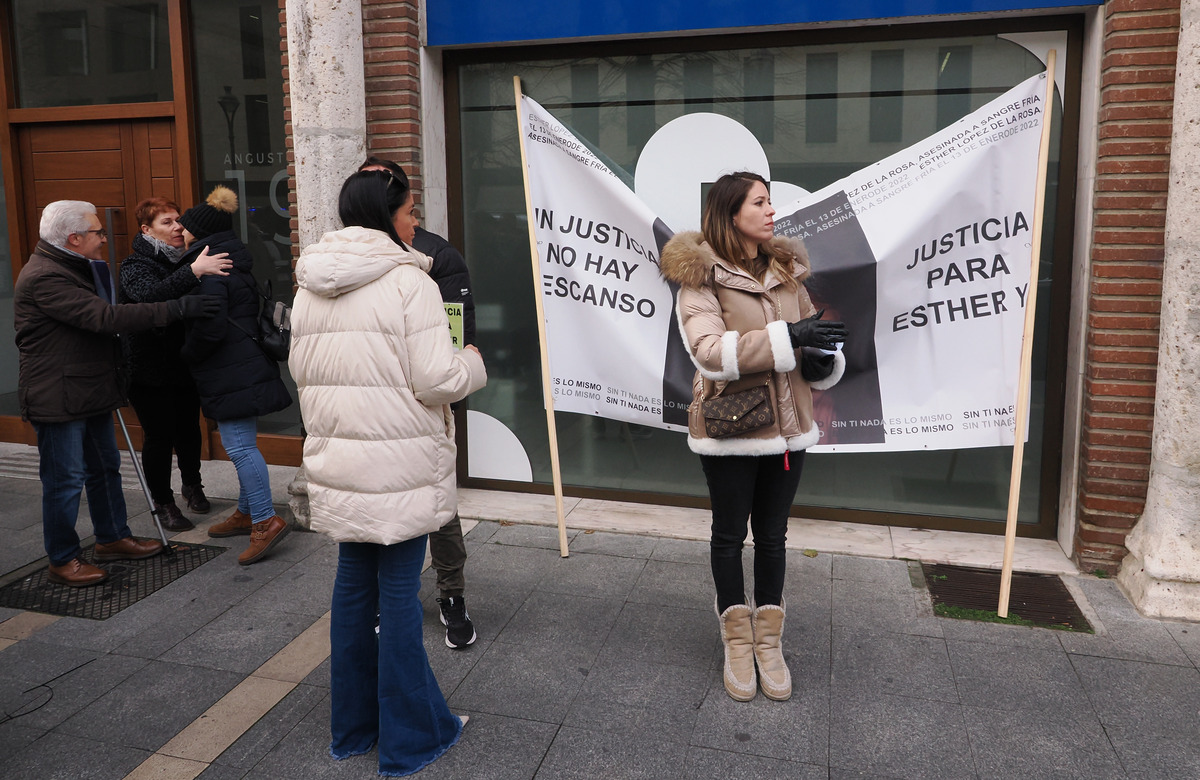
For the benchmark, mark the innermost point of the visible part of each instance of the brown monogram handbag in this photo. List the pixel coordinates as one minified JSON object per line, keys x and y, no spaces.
{"x":736,"y":413}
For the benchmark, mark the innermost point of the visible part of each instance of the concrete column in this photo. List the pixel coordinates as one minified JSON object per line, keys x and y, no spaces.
{"x":329,"y":115}
{"x":1161,"y":574}
{"x":329,"y":127}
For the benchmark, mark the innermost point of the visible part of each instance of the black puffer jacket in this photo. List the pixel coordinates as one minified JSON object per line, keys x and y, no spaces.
{"x":450,"y":272}
{"x":149,"y":276}
{"x":233,"y":376}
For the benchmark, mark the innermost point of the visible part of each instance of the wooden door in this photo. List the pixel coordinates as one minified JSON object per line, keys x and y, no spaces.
{"x":114,"y":165}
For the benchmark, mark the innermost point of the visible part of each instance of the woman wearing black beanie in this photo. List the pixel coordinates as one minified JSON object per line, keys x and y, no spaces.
{"x":236,"y":380}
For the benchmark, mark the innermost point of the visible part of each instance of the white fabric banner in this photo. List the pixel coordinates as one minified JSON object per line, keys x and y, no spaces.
{"x":608,"y":312}
{"x":925,"y":255}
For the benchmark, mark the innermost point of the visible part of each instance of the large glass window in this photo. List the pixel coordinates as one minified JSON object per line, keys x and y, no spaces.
{"x":84,"y":52}
{"x":241,"y":141}
{"x":820,"y":112}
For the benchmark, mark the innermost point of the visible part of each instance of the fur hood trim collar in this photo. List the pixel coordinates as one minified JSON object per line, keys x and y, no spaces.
{"x":687,"y":260}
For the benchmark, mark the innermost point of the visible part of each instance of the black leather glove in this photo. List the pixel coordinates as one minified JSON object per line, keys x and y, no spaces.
{"x":196,"y":307}
{"x":814,"y":333}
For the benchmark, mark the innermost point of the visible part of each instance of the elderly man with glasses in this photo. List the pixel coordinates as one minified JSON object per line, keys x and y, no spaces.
{"x":67,"y":333}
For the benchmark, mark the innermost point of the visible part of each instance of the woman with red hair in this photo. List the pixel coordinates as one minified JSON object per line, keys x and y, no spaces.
{"x":162,"y":391}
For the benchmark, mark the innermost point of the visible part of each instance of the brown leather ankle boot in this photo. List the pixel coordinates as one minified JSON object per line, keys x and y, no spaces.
{"x":237,"y":524}
{"x":264,"y":536}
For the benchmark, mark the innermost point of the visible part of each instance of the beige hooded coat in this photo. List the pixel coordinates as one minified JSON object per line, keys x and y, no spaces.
{"x":376,"y":372}
{"x":735,"y":330}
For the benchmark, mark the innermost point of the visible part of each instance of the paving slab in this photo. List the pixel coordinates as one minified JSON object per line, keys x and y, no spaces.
{"x":1039,"y":745}
{"x":632,"y":697}
{"x":660,"y":635}
{"x":899,"y":736}
{"x":1153,"y":699}
{"x":269,"y":731}
{"x":530,"y":681}
{"x":1188,"y":637}
{"x":674,"y":584}
{"x":705,"y":762}
{"x":899,"y":664}
{"x":240,"y":640}
{"x":1131,"y":641}
{"x":792,"y":730}
{"x":577,"y":623}
{"x":589,"y":574}
{"x":1010,"y":678}
{"x":620,"y":545}
{"x":149,"y":707}
{"x":53,"y":756}
{"x":493,"y":747}
{"x":1156,"y":756}
{"x":896,"y":608}
{"x":578,"y":754}
{"x":51,"y":700}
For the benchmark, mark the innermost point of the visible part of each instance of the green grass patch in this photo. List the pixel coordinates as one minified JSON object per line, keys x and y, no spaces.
{"x":985,"y":615}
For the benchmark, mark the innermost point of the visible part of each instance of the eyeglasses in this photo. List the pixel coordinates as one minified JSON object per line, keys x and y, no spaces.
{"x":99,"y":232}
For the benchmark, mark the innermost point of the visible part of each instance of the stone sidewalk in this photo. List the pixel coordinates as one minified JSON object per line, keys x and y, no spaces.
{"x":605,"y":664}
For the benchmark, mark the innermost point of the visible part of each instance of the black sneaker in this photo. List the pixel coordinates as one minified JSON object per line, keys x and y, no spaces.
{"x":460,"y":631}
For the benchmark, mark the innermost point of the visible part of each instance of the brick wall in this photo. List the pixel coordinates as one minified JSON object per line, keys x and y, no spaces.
{"x":391,"y":48}
{"x":1137,"y":87}
{"x":289,"y":144}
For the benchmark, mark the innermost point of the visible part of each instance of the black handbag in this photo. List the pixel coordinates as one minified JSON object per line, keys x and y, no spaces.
{"x":274,"y":335}
{"x":737,"y":413}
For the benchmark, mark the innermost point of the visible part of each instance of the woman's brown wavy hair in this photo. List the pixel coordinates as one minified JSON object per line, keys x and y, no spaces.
{"x":723,"y":202}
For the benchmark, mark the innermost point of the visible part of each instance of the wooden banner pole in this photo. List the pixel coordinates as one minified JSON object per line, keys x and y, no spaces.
{"x":547,"y":391}
{"x":1024,"y":379}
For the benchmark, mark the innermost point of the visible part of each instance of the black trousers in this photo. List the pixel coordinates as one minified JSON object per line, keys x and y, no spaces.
{"x":760,"y":490}
{"x":170,"y":418}
{"x":448,"y":556}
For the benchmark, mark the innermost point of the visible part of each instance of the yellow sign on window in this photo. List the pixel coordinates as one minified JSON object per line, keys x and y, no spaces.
{"x":454,"y":312}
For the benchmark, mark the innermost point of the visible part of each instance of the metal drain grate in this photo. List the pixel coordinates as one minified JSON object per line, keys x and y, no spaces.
{"x":128,"y":583}
{"x":1041,"y":599}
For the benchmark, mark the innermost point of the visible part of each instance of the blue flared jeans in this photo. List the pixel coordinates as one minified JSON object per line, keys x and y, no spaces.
{"x":74,"y":456}
{"x":382,"y":688}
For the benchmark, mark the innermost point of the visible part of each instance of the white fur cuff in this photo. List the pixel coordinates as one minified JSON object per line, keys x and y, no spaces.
{"x":839,"y":368}
{"x":781,"y":346}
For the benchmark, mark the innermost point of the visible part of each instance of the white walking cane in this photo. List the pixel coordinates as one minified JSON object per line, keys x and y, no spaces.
{"x":137,"y":466}
{"x":133,"y":455}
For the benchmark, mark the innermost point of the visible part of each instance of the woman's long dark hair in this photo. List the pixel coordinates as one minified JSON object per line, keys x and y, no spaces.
{"x":370,"y":198}
{"x":724,"y":200}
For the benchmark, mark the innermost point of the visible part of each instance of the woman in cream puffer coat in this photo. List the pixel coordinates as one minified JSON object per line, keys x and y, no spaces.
{"x":373,"y":361}
{"x":746,"y":321}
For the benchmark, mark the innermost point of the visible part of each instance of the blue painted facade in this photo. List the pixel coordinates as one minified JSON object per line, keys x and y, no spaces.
{"x":474,"y":22}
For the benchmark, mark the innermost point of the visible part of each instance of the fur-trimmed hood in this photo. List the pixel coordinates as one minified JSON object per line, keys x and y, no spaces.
{"x":687,"y":260}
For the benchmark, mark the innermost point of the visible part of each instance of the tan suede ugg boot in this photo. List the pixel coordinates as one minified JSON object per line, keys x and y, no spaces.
{"x":773,"y":674}
{"x":737,"y":634}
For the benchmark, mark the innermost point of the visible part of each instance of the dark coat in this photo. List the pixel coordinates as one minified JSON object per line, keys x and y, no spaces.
{"x":450,"y":272}
{"x":233,"y":376}
{"x":149,"y":276}
{"x":67,"y":338}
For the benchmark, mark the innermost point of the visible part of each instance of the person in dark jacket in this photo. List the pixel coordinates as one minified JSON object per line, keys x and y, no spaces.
{"x":162,"y":391}
{"x":447,"y":550}
{"x":236,"y":380}
{"x":67,"y":327}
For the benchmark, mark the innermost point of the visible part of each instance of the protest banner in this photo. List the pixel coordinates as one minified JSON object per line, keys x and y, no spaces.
{"x":925,"y":256}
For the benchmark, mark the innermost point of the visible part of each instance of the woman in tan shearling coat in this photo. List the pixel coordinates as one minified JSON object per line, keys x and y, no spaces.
{"x":747,"y":321}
